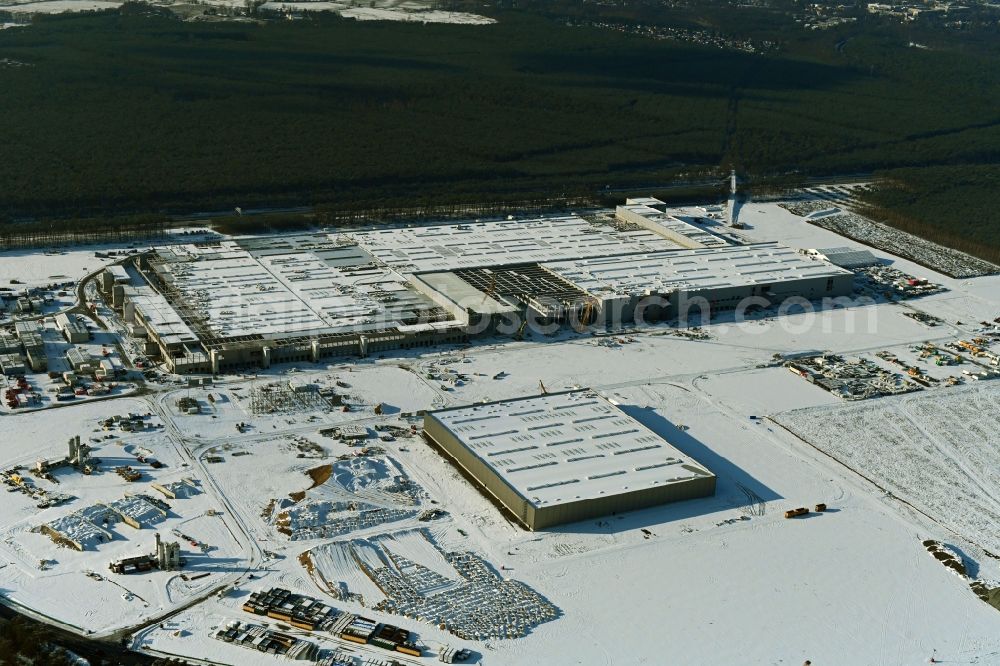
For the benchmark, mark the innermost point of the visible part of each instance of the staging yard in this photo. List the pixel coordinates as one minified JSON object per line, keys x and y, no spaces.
{"x":44,"y":576}
{"x":353,"y":508}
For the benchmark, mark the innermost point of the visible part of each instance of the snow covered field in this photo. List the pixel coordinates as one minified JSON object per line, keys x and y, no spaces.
{"x":33,"y":269}
{"x":420,"y":16}
{"x":940,"y":452}
{"x":418,"y":11}
{"x":382,"y":10}
{"x":815,"y":204}
{"x":59,"y":6}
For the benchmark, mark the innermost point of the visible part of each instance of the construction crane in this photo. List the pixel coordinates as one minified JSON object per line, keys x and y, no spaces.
{"x":491,"y":291}
{"x":542,"y":388}
{"x":589,"y":311}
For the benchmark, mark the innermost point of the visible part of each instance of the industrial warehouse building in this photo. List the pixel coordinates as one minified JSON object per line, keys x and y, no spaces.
{"x":71,"y":328}
{"x":234,"y":304}
{"x":708,"y":279}
{"x":563,"y":457}
{"x":647,"y":286}
{"x":217,"y":307}
{"x":845,"y":257}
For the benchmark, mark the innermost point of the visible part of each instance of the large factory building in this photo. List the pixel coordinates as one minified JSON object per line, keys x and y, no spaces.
{"x":248,"y":303}
{"x":564,"y":457}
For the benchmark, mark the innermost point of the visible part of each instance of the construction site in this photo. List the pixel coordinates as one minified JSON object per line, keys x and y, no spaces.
{"x":166,"y":556}
{"x":503,"y":442}
{"x":237,"y":304}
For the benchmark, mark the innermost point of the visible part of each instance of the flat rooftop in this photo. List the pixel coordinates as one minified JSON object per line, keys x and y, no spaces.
{"x":847,"y":257}
{"x":565,"y":447}
{"x":310,"y":285}
{"x":672,"y":223}
{"x":289,"y":287}
{"x":480,"y":244}
{"x":759,"y":263}
{"x":119,"y":273}
{"x":160,"y":315}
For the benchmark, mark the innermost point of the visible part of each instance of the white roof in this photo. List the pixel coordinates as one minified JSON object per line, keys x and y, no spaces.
{"x":287,"y":291}
{"x":847,"y":257}
{"x":29,"y":326}
{"x":161,"y":316}
{"x":662,"y":272}
{"x":79,"y":356}
{"x":481,"y":244}
{"x":672,"y":223}
{"x":119,"y":273}
{"x":564,"y":447}
{"x":11,"y":360}
{"x":64,"y":321}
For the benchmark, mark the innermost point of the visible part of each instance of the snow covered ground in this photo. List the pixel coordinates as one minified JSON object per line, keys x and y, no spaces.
{"x":842,"y":219}
{"x":382,"y":10}
{"x":39,"y":575}
{"x":939,"y":452}
{"x":418,"y":11}
{"x":725,"y":579}
{"x":59,"y":6}
{"x":422,"y":16}
{"x":36,"y":269}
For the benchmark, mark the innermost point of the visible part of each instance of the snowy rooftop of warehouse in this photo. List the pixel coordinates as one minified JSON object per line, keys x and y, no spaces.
{"x":846,"y":257}
{"x":760,"y":263}
{"x":119,"y":273}
{"x":644,"y":207}
{"x":479,"y":244}
{"x":296,"y":286}
{"x":563,"y":447}
{"x":160,"y":315}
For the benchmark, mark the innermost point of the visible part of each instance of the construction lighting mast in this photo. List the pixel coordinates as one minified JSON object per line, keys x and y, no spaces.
{"x":731,"y":207}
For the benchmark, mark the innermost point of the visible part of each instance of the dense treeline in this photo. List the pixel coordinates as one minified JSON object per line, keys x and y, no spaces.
{"x":133,"y":110}
{"x":353,"y":213}
{"x":27,"y":642}
{"x":955,"y":205}
{"x":23,"y":642}
{"x":122,"y":229}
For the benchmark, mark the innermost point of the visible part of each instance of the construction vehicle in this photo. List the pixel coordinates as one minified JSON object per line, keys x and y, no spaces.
{"x":449,"y":655}
{"x":971,"y":348}
{"x":794,"y":513}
